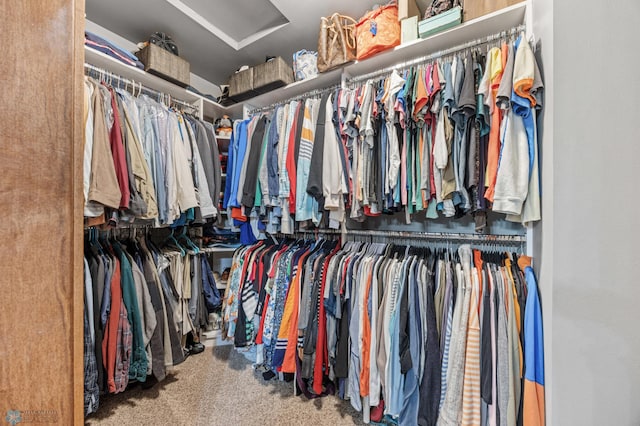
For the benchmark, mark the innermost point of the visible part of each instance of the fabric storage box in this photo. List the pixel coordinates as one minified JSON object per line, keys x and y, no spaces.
{"x":476,"y":8}
{"x":241,"y":85}
{"x":407,"y":9}
{"x":441,"y":22}
{"x":271,"y":75}
{"x":165,"y":64}
{"x":409,"y":29}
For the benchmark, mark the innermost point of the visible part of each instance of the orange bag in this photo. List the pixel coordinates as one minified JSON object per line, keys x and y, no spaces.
{"x":378,"y":30}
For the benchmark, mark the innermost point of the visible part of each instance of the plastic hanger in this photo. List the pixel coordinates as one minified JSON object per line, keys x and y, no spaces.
{"x":185,"y":238}
{"x":172,"y":239}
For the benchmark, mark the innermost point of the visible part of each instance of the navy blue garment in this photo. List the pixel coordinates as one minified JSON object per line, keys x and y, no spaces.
{"x":209,"y":288}
{"x":430,"y":384}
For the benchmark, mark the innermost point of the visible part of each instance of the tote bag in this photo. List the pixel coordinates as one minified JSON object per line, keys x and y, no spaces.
{"x":378,"y":30}
{"x":336,"y":41}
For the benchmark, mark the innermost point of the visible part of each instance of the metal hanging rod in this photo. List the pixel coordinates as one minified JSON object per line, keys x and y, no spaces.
{"x":509,"y":239}
{"x":164,"y":97}
{"x":474,"y":43}
{"x":306,"y":95}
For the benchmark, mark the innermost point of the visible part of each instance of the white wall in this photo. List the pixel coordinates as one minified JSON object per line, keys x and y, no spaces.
{"x":590,"y":242}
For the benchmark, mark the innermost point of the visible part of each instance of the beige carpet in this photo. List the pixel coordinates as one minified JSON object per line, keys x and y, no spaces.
{"x":219,"y":387}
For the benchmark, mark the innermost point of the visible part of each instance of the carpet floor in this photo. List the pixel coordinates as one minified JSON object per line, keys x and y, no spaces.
{"x":220,"y":387}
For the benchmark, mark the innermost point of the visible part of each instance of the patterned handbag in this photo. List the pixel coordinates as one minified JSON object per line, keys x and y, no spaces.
{"x":336,"y":41}
{"x":378,"y":30}
{"x":439,"y":6}
{"x":305,"y":64}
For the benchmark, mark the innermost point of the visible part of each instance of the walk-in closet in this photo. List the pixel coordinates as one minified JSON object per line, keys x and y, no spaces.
{"x":415,"y":212}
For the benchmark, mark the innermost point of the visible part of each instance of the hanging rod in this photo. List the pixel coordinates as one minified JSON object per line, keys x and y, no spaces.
{"x":301,"y":96}
{"x":123,"y":80}
{"x":416,"y":61}
{"x":509,"y":239}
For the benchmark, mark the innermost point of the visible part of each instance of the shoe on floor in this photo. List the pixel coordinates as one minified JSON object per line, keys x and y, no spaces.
{"x":196,"y":348}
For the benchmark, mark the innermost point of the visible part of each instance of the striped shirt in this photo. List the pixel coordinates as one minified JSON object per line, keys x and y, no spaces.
{"x":471,"y":383}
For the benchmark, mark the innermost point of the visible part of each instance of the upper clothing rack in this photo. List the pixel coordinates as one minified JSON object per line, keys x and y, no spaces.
{"x":138,"y":86}
{"x":473,"y":32}
{"x":208,"y":107}
{"x":416,"y":61}
{"x":512,"y":32}
{"x":475,"y":29}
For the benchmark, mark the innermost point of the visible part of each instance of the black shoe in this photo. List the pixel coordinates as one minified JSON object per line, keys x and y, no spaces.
{"x":196,"y":348}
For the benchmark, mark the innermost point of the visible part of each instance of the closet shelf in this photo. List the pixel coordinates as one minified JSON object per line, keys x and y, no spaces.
{"x":99,"y":59}
{"x":480,"y":27}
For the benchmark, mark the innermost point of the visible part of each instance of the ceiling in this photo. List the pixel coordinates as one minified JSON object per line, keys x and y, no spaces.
{"x":217,"y":37}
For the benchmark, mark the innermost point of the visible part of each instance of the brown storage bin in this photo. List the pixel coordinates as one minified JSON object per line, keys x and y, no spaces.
{"x":271,"y":75}
{"x":241,"y":85}
{"x":407,"y":9}
{"x":475,"y":8}
{"x":164,"y":64}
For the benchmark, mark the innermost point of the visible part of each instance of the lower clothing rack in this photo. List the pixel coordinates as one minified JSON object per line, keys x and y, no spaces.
{"x":433,"y":236}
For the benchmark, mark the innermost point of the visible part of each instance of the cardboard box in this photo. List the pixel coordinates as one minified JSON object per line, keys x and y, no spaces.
{"x":407,"y":9}
{"x":409,"y":29}
{"x":441,"y":22}
{"x":165,"y":64}
{"x":476,"y":8}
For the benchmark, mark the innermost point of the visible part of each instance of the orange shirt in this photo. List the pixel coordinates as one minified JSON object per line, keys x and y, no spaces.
{"x":421,"y":98}
{"x":110,"y":341}
{"x":289,"y":323}
{"x":365,"y":372}
{"x":493,"y":155}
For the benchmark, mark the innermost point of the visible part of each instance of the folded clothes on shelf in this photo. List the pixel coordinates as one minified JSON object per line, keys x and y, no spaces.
{"x":217,"y":237}
{"x":108,"y":48}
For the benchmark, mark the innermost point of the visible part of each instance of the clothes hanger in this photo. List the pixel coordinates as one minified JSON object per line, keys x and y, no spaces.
{"x":190,"y":244}
{"x":172,"y":239}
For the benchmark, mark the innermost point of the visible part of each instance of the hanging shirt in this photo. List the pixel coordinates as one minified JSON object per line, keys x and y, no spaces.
{"x":534,"y":403}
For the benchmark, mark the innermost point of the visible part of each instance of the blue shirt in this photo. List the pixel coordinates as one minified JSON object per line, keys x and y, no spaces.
{"x":239,"y":152}
{"x":522,"y":107}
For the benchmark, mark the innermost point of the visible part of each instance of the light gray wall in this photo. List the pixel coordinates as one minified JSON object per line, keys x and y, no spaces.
{"x":590,"y":243}
{"x":542,"y":11}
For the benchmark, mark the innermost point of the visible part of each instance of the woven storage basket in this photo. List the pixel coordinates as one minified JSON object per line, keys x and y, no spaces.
{"x":475,"y":8}
{"x":241,"y":85}
{"x":271,"y":75}
{"x":164,"y":64}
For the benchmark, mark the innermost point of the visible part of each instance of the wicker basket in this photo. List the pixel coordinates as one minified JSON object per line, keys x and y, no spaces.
{"x":475,"y":8}
{"x":164,"y":64}
{"x":241,"y":85}
{"x":271,"y":75}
